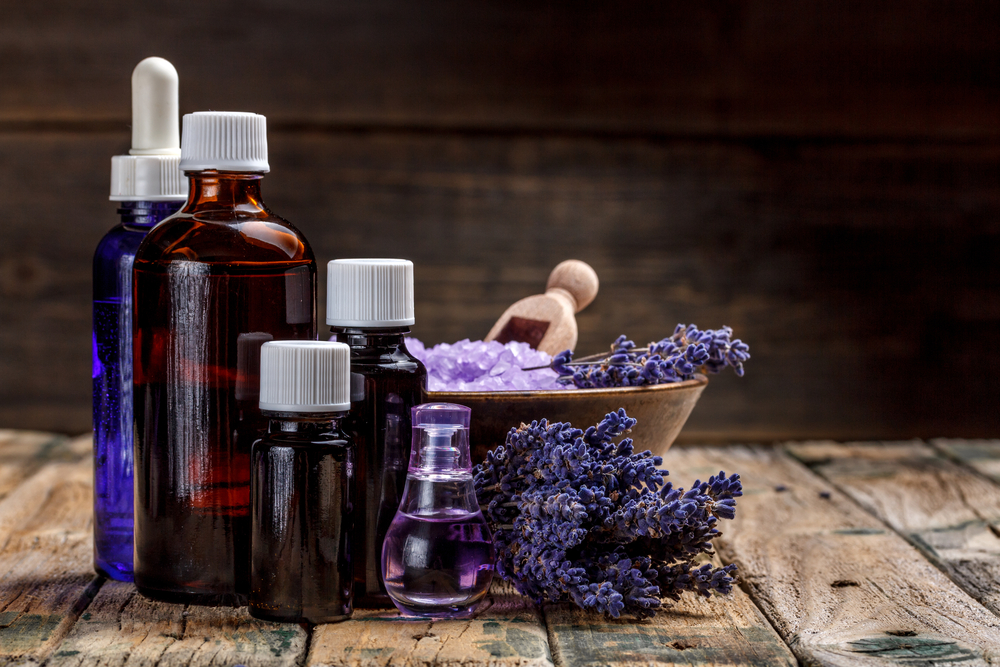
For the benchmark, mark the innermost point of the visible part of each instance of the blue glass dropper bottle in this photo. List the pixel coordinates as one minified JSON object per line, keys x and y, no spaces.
{"x":149,"y":186}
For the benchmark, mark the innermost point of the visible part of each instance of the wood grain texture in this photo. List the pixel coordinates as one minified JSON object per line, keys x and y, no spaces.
{"x":695,"y":631}
{"x":981,"y":455}
{"x":508,"y":632}
{"x":839,"y":586}
{"x":781,"y":241}
{"x":732,"y":68}
{"x":22,"y":453}
{"x":821,"y":176}
{"x":120,"y":627}
{"x":948,"y":512}
{"x":46,"y":544}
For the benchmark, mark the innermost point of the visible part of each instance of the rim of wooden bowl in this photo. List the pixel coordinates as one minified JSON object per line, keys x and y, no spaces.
{"x":699,"y":380}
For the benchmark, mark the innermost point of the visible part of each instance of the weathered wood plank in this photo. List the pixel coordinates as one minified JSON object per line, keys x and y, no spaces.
{"x":46,"y":544}
{"x":781,"y":241}
{"x":22,"y":453}
{"x":981,"y":455}
{"x":948,"y":512}
{"x":838,"y":585}
{"x":120,"y":627}
{"x":510,"y":632}
{"x":775,"y":67}
{"x":695,"y":631}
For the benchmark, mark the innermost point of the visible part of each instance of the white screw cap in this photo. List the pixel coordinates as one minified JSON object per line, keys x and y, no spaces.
{"x":224,"y":141}
{"x":151,"y":170}
{"x":305,"y":376}
{"x":369,"y":293}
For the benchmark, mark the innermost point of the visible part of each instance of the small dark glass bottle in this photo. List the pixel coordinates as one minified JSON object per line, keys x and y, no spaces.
{"x":370,"y":308}
{"x":221,"y":268}
{"x":302,"y":486}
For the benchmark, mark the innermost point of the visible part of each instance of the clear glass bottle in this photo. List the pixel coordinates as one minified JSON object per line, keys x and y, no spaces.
{"x":370,"y":308}
{"x":222,"y":267}
{"x":438,"y":555}
{"x":149,"y":187}
{"x":302,"y":486}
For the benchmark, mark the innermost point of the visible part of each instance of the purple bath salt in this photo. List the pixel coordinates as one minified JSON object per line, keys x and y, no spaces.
{"x":479,"y":366}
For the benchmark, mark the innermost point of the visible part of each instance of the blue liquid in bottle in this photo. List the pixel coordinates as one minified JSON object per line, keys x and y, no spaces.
{"x":112,"y":375}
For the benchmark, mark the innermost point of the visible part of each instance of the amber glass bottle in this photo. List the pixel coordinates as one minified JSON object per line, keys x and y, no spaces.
{"x":221,"y":268}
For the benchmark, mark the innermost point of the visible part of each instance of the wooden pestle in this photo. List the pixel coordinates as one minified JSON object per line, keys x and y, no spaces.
{"x":547,"y":321}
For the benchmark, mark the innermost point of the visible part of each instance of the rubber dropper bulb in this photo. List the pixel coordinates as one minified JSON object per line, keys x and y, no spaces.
{"x":155,"y":108}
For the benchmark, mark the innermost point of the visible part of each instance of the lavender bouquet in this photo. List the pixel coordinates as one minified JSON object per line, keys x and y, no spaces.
{"x":578,"y":516}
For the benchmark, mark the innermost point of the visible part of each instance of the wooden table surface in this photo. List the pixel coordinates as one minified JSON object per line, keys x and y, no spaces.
{"x":849,"y":554}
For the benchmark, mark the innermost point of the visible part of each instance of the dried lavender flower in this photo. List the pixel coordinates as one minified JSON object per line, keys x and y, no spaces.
{"x":673,"y":359}
{"x":579,"y":515}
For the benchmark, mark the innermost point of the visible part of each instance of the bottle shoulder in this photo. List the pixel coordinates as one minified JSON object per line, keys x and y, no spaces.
{"x":234,"y":236}
{"x":120,"y":240}
{"x":374,"y":351}
{"x":383,"y":361}
{"x":314,"y":442}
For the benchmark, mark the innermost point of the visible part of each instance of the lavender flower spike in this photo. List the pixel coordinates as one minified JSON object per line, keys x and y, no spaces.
{"x":673,"y":359}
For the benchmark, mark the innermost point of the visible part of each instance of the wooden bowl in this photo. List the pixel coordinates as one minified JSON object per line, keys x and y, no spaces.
{"x":660,"y":411}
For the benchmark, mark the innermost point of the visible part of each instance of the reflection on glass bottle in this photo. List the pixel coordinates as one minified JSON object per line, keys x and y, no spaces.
{"x":251,"y":425}
{"x":393,"y":474}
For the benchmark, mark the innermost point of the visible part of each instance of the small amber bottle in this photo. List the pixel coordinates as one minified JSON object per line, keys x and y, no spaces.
{"x":302,"y":486}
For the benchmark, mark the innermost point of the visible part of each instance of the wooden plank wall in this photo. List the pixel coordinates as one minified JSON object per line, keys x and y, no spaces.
{"x":821,"y":176}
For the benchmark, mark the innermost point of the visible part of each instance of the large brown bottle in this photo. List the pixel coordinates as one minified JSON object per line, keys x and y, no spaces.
{"x":211,"y":282}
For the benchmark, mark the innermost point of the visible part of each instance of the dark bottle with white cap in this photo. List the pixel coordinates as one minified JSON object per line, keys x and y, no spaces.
{"x":222,"y":268}
{"x":302,"y":486}
{"x":370,"y":307}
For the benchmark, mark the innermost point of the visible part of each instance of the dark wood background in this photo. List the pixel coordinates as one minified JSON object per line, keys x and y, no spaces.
{"x":822,"y":176}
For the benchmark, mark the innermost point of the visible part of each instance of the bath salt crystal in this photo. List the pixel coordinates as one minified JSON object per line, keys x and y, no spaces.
{"x":479,"y":366}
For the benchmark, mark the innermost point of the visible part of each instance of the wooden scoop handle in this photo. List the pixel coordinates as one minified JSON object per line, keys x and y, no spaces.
{"x":577,"y":280}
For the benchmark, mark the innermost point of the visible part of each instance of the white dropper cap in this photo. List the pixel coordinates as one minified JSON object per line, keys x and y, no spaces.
{"x":224,"y":141}
{"x":305,"y":376}
{"x":369,"y":293}
{"x":151,"y":170}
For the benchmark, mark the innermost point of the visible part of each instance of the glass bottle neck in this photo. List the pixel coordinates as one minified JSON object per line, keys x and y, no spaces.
{"x":228,"y":190}
{"x":304,"y":425}
{"x":370,"y":338}
{"x":147,"y":214}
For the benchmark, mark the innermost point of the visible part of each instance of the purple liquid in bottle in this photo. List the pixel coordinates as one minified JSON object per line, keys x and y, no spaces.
{"x":112,"y":375}
{"x":437,"y":559}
